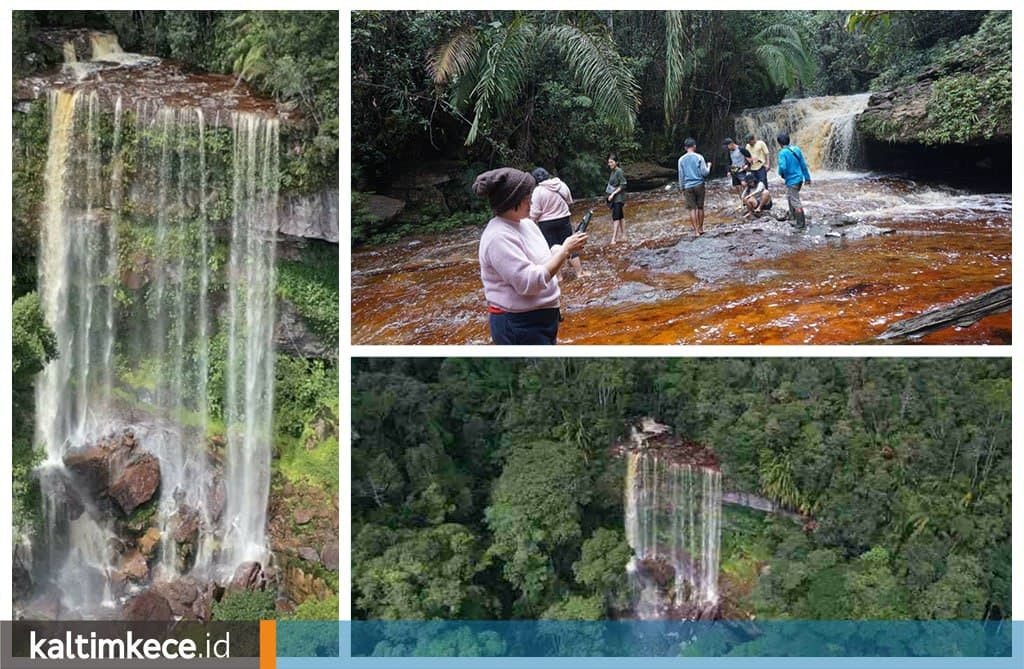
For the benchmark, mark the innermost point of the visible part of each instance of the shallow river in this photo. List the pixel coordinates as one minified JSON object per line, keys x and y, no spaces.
{"x":877,"y":250}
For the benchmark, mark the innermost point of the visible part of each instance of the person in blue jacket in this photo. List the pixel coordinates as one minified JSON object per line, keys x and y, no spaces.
{"x":793,"y":169}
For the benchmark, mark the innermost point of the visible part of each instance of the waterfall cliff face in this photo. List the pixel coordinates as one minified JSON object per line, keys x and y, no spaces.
{"x":824,"y":128}
{"x":141,"y":281}
{"x":673,"y":524}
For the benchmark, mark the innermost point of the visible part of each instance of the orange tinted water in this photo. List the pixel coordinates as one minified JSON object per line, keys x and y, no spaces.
{"x":742,"y":283}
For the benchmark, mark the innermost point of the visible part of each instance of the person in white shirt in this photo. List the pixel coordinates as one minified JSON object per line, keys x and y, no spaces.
{"x":755,"y":196}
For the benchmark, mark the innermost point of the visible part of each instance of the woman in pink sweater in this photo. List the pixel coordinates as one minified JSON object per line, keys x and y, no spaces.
{"x":518,"y":270}
{"x":550,"y":211}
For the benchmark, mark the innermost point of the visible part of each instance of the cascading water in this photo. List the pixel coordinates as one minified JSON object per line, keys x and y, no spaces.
{"x":673,"y":524}
{"x":824,"y":128}
{"x":132,"y":268}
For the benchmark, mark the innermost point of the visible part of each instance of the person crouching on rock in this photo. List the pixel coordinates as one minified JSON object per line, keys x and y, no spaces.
{"x":518,"y":270}
{"x":756,"y":197}
{"x":550,"y":211}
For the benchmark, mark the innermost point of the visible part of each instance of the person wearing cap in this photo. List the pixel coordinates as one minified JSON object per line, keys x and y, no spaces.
{"x":755,"y":196}
{"x":739,"y":162}
{"x":793,"y":170}
{"x":518,"y":269}
{"x":550,"y":211}
{"x":760,"y":158}
{"x":692,"y":171}
{"x":616,"y":191}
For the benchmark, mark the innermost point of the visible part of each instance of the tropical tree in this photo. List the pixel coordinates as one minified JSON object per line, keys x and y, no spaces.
{"x":485,"y":70}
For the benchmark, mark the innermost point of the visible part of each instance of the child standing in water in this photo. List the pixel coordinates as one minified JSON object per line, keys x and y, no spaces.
{"x":616,"y":191}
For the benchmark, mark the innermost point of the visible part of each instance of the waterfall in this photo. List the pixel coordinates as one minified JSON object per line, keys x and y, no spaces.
{"x":250,"y":384}
{"x":673,"y":522}
{"x":132,"y":269}
{"x":824,"y":128}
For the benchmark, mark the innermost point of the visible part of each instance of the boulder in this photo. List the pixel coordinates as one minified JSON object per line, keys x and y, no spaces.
{"x":303,"y":516}
{"x":329,"y":556}
{"x":147,"y":606}
{"x":301,"y":586}
{"x":312,"y":216}
{"x":185,"y":535}
{"x":181,"y":595}
{"x":133,"y":567}
{"x":284,"y":606}
{"x":292,"y":335}
{"x":202,"y":607}
{"x":648,"y":176}
{"x":309,"y":554}
{"x":217,"y":499}
{"x":383,"y":208}
{"x":148,"y":542}
{"x":137,"y":482}
{"x":248,"y":576}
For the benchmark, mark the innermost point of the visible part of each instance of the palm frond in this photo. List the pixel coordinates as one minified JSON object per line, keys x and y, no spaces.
{"x":784,"y":56}
{"x":599,"y":70}
{"x":504,"y":73}
{"x":454,"y":58}
{"x":678,"y":68}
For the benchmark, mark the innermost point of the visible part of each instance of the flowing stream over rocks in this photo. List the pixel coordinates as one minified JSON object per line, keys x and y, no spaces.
{"x":141,"y":484}
{"x":878,"y":249}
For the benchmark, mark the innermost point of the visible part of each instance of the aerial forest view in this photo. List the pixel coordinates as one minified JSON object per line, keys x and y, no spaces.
{"x":175,"y":322}
{"x":799,"y":177}
{"x":678,"y":490}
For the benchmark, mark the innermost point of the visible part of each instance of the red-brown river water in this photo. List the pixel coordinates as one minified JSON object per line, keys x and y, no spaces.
{"x":878,"y":250}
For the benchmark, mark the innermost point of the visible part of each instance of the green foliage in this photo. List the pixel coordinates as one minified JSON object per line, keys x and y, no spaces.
{"x":28,"y":163}
{"x":245,"y":605}
{"x":311,"y":285}
{"x":306,"y":419}
{"x":902,"y":464}
{"x":601,"y":569}
{"x":317,"y":609}
{"x":418,"y":574}
{"x":33,"y":343}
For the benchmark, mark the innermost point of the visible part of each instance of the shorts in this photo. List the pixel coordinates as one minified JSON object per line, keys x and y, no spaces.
{"x":693,"y":198}
{"x":539,"y":326}
{"x":762,"y":175}
{"x":793,"y":195}
{"x":616,"y":208}
{"x":556,"y":231}
{"x":737,"y":177}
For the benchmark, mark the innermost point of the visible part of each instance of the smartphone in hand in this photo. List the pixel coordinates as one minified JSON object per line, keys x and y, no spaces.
{"x":582,"y":227}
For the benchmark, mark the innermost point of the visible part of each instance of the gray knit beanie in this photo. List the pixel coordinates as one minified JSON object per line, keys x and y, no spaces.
{"x":504,"y":188}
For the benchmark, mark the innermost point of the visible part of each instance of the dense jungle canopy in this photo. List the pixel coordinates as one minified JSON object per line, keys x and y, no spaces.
{"x":487,"y":489}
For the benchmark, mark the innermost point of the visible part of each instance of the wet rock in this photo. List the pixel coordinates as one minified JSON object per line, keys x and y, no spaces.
{"x":313,"y":216}
{"x":181,"y":595}
{"x":248,"y":576}
{"x":217,"y":499}
{"x":95,"y":466}
{"x":309,"y":554}
{"x":292,"y":335}
{"x":62,"y":491}
{"x":185,"y":536}
{"x":137,"y":482}
{"x":202,"y":607}
{"x":133,"y":567}
{"x":329,"y":556}
{"x":21,"y":579}
{"x":148,"y":542}
{"x":648,"y":176}
{"x":149,"y":605}
{"x":303,"y":516}
{"x":384,"y":208}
